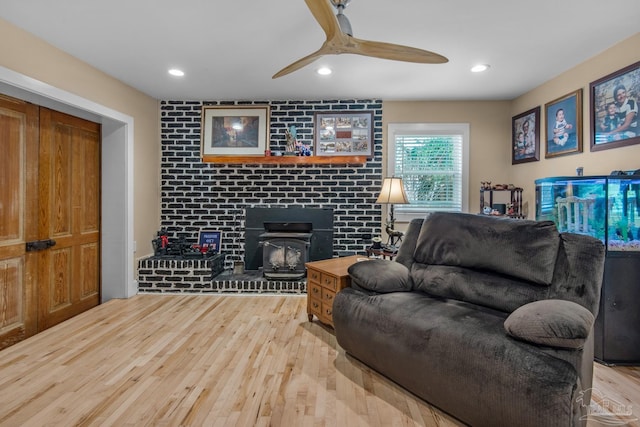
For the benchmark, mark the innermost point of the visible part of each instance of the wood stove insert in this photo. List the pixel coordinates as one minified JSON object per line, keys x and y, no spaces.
{"x":285,"y":249}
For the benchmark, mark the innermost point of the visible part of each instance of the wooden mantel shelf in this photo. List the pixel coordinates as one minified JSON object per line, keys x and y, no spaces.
{"x":287,"y":160}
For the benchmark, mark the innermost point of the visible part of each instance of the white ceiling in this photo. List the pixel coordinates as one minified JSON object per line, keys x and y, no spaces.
{"x":230,"y":49}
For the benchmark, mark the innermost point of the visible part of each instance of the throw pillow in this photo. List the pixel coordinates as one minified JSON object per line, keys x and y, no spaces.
{"x":556,"y":323}
{"x":381,"y":276}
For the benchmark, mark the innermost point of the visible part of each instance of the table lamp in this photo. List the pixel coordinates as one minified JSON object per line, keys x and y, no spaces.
{"x":392,"y":193}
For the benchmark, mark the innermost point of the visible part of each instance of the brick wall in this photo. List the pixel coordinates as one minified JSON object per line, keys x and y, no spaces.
{"x":162,"y":275}
{"x":197,"y":195}
{"x":156,"y":275}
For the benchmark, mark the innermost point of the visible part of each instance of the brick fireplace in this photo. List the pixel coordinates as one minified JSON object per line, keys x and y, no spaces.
{"x":197,"y":195}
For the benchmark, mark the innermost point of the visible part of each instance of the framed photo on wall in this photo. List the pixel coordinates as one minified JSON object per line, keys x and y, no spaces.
{"x":563,"y":120}
{"x":210,"y":239}
{"x":234,"y":130}
{"x":343,"y":134}
{"x":525,"y":137}
{"x":614,"y":109}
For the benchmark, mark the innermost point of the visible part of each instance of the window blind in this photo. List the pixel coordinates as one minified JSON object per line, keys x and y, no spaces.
{"x":431,"y":169}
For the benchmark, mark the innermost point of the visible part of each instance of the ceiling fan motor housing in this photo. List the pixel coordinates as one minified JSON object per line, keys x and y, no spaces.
{"x":340,"y":4}
{"x":343,"y":21}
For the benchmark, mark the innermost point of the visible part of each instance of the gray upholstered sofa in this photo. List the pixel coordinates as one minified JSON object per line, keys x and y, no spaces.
{"x":489,"y":319}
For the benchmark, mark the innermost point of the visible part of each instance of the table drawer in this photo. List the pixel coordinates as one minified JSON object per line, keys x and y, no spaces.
{"x":313,"y":275}
{"x":315,"y":291}
{"x":328,"y":296}
{"x":314,"y":306}
{"x":327,"y":312}
{"x":329,"y":282}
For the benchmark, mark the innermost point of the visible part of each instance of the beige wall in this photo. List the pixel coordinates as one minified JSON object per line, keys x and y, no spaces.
{"x":594,"y":163}
{"x":490,"y":134}
{"x":32,"y":57}
{"x":489,"y":130}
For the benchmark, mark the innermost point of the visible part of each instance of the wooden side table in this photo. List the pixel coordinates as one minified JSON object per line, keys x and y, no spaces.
{"x":325,"y":278}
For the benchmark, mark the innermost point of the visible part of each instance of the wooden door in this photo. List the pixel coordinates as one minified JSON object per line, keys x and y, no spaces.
{"x":18,"y":219}
{"x":69,"y":199}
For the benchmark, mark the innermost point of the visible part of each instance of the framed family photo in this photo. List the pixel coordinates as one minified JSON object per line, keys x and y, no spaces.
{"x":563,"y":120}
{"x":234,"y":130}
{"x":614,"y":109}
{"x":525,"y":137}
{"x":343,"y":134}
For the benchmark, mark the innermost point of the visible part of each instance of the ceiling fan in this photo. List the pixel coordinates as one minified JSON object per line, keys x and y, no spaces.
{"x":340,"y":40}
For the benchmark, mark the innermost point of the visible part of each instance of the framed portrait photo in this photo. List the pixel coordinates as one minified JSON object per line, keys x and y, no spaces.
{"x":525,"y":137}
{"x":234,"y":130}
{"x":563,"y":120}
{"x":343,"y":134}
{"x":614,"y":109}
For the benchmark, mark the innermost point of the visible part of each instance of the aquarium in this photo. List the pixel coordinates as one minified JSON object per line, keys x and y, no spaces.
{"x":623,"y":224}
{"x":605,"y":207}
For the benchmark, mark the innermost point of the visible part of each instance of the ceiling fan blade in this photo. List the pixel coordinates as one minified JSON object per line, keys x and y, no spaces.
{"x":300,"y":63}
{"x":322,"y":11}
{"x":394,"y":52}
{"x":338,"y":42}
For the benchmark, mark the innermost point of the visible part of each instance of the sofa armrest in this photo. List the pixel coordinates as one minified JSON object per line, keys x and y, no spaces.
{"x":381,"y":276}
{"x":552,"y":322}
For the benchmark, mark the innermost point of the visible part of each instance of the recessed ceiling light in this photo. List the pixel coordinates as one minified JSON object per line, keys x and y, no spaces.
{"x":176,"y":72}
{"x":324,"y":71}
{"x":479,"y":68}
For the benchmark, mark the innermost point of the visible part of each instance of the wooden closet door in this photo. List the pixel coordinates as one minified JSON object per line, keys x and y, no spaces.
{"x":69,"y":197}
{"x":18,"y":219}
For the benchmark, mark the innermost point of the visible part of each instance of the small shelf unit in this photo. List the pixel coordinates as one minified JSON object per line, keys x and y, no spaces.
{"x":516,"y":200}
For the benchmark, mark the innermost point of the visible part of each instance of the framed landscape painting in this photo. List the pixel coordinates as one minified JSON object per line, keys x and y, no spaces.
{"x":525,"y":137}
{"x":234,"y":130}
{"x":563,"y":119}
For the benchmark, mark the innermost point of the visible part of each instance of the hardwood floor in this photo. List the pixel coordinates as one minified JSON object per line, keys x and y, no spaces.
{"x":214,"y":361}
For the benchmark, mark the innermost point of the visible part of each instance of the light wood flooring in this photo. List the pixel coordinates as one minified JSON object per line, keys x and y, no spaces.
{"x":214,"y":361}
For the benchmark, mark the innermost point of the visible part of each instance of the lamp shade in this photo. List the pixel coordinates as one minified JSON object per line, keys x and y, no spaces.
{"x":392,"y":192}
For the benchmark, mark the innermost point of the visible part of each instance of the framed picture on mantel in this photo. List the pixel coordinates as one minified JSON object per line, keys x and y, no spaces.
{"x":234,"y":130}
{"x":343,"y":133}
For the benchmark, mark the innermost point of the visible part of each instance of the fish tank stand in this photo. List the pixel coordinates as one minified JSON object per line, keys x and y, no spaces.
{"x":607,"y":208}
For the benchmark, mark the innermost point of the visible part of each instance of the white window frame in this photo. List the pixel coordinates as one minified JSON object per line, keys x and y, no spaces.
{"x":393,"y":129}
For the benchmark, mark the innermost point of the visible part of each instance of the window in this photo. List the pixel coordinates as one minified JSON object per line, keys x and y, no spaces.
{"x":433,"y":162}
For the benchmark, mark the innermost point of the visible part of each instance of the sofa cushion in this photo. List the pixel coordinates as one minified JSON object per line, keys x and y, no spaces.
{"x":496,"y":291}
{"x":519,"y":248}
{"x":556,"y":323}
{"x":381,"y":276}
